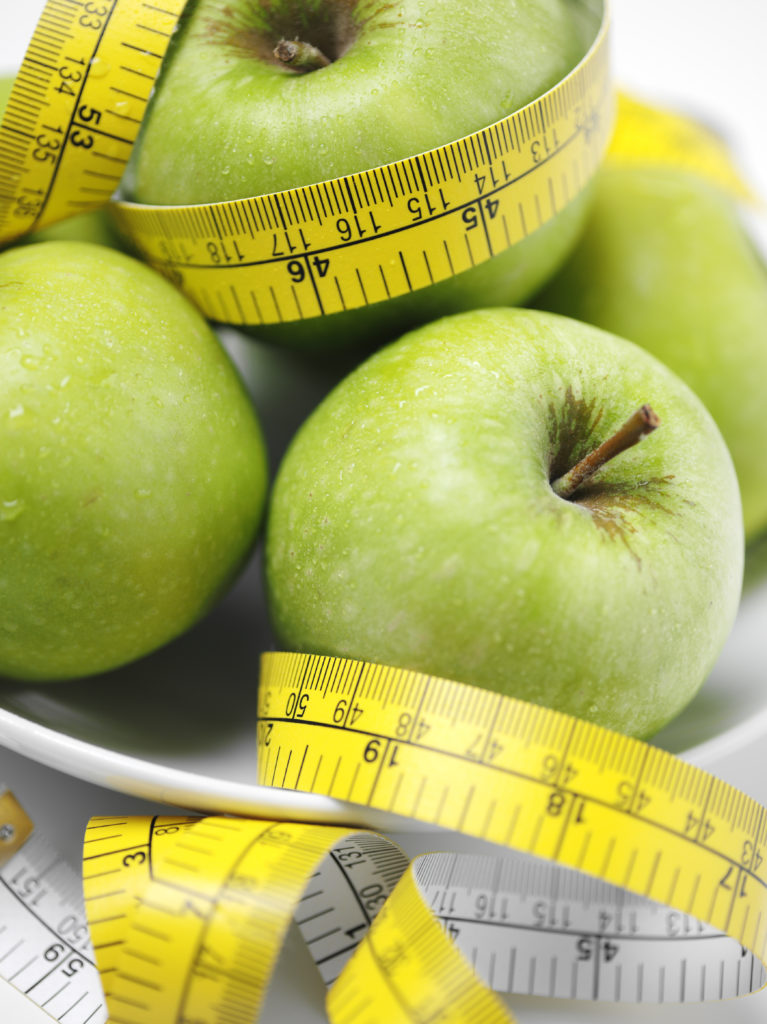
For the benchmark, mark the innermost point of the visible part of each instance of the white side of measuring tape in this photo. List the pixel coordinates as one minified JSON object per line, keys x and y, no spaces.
{"x":45,"y":949}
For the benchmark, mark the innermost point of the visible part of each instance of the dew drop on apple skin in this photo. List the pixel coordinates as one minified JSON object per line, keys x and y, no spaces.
{"x":10,"y":510}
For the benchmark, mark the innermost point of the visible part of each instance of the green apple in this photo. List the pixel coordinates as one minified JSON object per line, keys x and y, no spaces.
{"x":666,"y":261}
{"x":94,"y":226}
{"x":230,"y":120}
{"x":414,"y":521}
{"x":133,"y":472}
{"x":284,"y":385}
{"x":755,"y":568}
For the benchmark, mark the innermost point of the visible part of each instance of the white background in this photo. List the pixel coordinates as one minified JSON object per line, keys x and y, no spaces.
{"x":705,"y":56}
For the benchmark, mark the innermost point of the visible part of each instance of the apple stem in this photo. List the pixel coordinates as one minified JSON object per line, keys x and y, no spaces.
{"x":643,"y":422}
{"x":300,"y":56}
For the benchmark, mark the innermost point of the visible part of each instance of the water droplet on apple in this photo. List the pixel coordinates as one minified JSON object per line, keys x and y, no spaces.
{"x":30,"y":362}
{"x":143,"y":492}
{"x":17,"y":410}
{"x":10,"y":510}
{"x":226,"y":170}
{"x":99,"y":67}
{"x":268,"y":160}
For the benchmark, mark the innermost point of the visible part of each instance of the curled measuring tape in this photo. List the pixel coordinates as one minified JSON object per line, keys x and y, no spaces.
{"x":76,"y":106}
{"x":45,"y":949}
{"x":75,"y":111}
{"x":690,"y":848}
{"x":655,"y":888}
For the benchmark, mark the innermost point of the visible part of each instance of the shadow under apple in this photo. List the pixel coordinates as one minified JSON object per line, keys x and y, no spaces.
{"x":195,"y":694}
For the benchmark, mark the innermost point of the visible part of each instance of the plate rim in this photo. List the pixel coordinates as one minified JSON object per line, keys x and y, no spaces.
{"x":182,"y":787}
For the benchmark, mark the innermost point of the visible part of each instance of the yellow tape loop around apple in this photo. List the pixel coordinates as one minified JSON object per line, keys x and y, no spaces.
{"x":77,"y":104}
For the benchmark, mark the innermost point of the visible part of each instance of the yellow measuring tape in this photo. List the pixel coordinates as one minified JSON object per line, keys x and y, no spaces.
{"x":341,"y":244}
{"x":188,"y":915}
{"x":648,"y":134}
{"x":657,"y":886}
{"x":76,"y":106}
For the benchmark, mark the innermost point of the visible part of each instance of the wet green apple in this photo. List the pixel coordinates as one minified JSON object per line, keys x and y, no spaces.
{"x":132,"y":465}
{"x":418,"y":519}
{"x":229,"y":119}
{"x":666,"y":260}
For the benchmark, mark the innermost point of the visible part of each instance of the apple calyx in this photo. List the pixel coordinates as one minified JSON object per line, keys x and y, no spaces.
{"x":637,"y":426}
{"x":300,"y":56}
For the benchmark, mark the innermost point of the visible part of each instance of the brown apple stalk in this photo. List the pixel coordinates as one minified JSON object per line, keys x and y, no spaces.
{"x":643,"y":422}
{"x":300,"y":56}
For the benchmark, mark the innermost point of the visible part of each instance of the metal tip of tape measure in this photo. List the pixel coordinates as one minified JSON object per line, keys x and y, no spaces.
{"x":15,"y":826}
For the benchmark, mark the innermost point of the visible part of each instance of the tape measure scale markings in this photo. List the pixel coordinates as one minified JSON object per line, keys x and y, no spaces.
{"x":391,"y":230}
{"x":202,"y":937}
{"x":45,"y":948}
{"x":76,"y":106}
{"x":341,"y":244}
{"x":187,"y":915}
{"x":537,"y":781}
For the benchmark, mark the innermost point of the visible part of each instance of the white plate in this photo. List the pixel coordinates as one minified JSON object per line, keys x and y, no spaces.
{"x":179,"y":726}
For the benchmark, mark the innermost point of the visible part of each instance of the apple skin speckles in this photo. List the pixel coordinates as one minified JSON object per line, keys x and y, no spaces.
{"x":611,"y":606}
{"x":225,"y":122}
{"x":134,"y":472}
{"x":665,"y":261}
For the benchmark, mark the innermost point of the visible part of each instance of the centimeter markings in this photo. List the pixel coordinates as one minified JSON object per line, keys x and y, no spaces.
{"x":203,"y":932}
{"x":75,"y":111}
{"x":521,"y":776}
{"x":349,"y":888}
{"x":353,"y":241}
{"x":117,"y":865}
{"x":45,"y":950}
{"x":538,"y":929}
{"x":76,"y":107}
